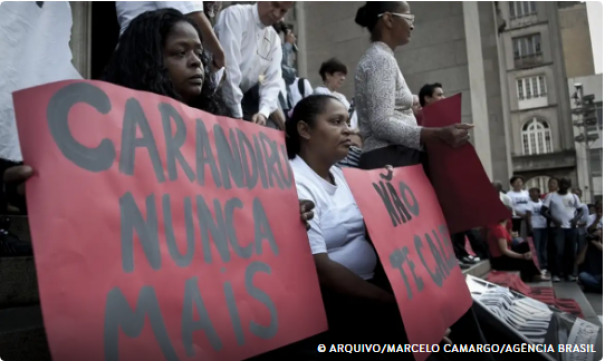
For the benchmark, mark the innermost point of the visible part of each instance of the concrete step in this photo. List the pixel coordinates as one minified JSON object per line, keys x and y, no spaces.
{"x":22,"y":336}
{"x":20,"y":227}
{"x":19,"y":282}
{"x":572,"y":291}
{"x":480,"y":269}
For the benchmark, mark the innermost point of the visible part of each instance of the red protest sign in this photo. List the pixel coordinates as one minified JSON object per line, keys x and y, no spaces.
{"x":407,"y":228}
{"x":467,"y":198}
{"x":162,"y":232}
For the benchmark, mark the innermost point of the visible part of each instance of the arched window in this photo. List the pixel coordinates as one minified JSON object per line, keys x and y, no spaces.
{"x":536,"y":137}
{"x":540,"y":182}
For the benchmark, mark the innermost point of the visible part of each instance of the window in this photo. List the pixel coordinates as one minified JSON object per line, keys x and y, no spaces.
{"x":527,"y":46}
{"x":520,"y":9}
{"x":536,"y":137}
{"x":540,"y":182}
{"x":596,"y":162}
{"x":529,"y":88}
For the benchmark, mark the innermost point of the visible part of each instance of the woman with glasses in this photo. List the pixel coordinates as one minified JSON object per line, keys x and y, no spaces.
{"x":384,"y":101}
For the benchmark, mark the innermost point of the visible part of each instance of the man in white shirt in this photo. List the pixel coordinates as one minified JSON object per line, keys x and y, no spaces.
{"x":253,"y":56}
{"x":564,"y":210}
{"x":128,"y":10}
{"x":520,"y":200}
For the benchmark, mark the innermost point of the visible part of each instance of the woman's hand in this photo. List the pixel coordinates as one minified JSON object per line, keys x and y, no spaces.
{"x":455,"y":135}
{"x":17,"y":176}
{"x":306,"y":211}
{"x":527,"y":256}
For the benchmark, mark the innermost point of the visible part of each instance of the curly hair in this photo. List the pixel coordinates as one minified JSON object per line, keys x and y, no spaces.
{"x":138,"y":62}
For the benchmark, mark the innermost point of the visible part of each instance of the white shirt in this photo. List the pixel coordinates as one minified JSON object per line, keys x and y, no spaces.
{"x":128,"y":10}
{"x":253,"y":56}
{"x":34,"y":50}
{"x":507,"y":202}
{"x":337,"y":227}
{"x":538,"y":221}
{"x":519,"y":200}
{"x":294,"y":93}
{"x":563,"y":207}
{"x":342,"y":98}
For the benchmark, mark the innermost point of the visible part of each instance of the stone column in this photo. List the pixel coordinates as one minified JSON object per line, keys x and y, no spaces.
{"x":481,"y":136}
{"x":301,"y":56}
{"x":81,"y":32}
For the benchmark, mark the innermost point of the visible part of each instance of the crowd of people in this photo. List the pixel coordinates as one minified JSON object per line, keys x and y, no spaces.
{"x":241,"y":68}
{"x":566,"y":233}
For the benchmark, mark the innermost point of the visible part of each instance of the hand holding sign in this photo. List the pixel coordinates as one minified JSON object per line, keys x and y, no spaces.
{"x":17,"y":176}
{"x":455,"y":135}
{"x":161,"y":232}
{"x":466,"y":195}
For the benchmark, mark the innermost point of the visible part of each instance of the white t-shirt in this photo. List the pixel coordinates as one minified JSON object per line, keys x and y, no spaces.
{"x":563,"y":207}
{"x":519,"y":200}
{"x":128,"y":10}
{"x":538,"y":221}
{"x":337,"y":227}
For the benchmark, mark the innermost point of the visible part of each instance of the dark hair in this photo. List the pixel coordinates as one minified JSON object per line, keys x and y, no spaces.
{"x":535,"y":190}
{"x":514,"y":178}
{"x":427,"y":91}
{"x":367,"y":15}
{"x":332,"y":66}
{"x":138,"y":62}
{"x":306,"y":111}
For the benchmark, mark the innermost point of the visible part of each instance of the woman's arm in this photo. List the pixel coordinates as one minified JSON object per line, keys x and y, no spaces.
{"x":503,"y":245}
{"x":340,"y":279}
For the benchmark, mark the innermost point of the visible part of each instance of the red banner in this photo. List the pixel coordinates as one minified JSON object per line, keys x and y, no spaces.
{"x":406,"y":225}
{"x":534,"y":253}
{"x":162,"y":232}
{"x":465,"y":193}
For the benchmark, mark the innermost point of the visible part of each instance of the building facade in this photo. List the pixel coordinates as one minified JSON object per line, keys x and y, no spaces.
{"x":589,"y":154}
{"x":575,"y":35}
{"x":506,"y":58}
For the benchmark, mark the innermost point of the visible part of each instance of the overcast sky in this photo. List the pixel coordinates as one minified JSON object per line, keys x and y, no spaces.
{"x":595,"y":22}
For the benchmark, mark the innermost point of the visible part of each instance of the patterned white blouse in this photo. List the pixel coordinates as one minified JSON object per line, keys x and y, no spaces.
{"x":384,"y":101}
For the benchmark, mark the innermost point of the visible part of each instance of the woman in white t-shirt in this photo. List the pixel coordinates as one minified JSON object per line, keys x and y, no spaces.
{"x":334,"y":73}
{"x":358,"y":299}
{"x":520,"y":202}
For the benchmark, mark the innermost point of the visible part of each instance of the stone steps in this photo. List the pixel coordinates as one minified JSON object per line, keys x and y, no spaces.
{"x":573,"y":291}
{"x":480,"y":269}
{"x":19,"y":282}
{"x":22,"y":336}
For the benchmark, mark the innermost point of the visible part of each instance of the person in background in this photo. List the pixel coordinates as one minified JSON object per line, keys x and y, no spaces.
{"x":253,"y":57}
{"x":505,"y":257}
{"x":417,"y":109}
{"x":430,"y":93}
{"x":590,"y":266}
{"x":520,"y":200}
{"x":384,"y":102}
{"x":553,"y":187}
{"x":333,"y":73}
{"x":504,"y":198}
{"x":563,"y":209}
{"x":211,"y":10}
{"x":582,"y":226}
{"x":352,"y":159}
{"x":129,"y":10}
{"x":537,"y":223}
{"x":161,"y":52}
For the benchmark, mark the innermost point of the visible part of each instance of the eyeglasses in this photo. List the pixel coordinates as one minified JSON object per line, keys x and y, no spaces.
{"x":408,"y":17}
